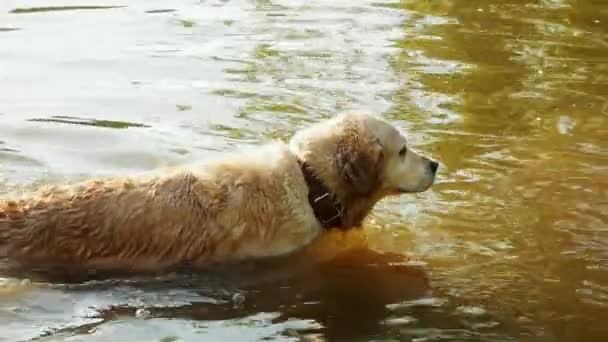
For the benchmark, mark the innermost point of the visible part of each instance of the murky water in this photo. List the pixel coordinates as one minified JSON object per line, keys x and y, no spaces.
{"x":511,"y":96}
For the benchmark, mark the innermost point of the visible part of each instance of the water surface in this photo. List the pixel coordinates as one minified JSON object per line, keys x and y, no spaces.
{"x":511,"y":96}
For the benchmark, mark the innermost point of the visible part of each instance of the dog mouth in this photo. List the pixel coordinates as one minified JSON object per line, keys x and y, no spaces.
{"x":422,"y":188}
{"x":406,"y":191}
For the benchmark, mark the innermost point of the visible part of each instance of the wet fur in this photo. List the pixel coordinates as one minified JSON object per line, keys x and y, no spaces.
{"x":246,"y":206}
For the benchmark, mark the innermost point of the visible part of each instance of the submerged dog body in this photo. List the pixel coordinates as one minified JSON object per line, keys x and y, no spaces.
{"x":252,"y":205}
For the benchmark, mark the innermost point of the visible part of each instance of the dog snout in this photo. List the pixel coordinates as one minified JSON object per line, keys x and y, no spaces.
{"x":434,"y":166}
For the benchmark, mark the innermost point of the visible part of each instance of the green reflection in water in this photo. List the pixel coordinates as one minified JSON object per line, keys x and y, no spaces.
{"x":89,"y":122}
{"x":183,"y":108}
{"x":25,"y":10}
{"x":186,"y":23}
{"x":168,"y":10}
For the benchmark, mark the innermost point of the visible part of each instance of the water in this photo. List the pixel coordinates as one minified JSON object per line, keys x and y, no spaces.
{"x":511,"y":96}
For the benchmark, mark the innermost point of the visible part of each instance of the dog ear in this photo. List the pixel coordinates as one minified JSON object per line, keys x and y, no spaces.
{"x":359,"y":163}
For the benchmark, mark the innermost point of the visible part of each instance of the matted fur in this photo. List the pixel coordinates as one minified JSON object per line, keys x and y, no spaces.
{"x":244,"y":206}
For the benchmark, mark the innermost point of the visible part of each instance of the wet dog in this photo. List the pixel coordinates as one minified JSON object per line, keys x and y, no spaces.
{"x":269,"y":203}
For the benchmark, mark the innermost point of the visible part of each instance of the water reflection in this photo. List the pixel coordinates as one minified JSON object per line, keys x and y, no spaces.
{"x":88,"y":122}
{"x":526,"y":180}
{"x":25,"y":10}
{"x":347,"y":297}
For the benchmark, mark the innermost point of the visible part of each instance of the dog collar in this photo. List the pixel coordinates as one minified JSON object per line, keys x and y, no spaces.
{"x":328,"y":210}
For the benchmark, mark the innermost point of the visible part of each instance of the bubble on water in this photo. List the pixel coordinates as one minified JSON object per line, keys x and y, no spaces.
{"x":238,"y":299}
{"x":143,"y":314}
{"x":565,"y":124}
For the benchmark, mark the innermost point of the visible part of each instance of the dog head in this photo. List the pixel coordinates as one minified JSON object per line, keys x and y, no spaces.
{"x":363,"y":158}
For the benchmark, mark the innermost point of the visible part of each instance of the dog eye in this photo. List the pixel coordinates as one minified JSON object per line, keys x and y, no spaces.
{"x":403,"y":151}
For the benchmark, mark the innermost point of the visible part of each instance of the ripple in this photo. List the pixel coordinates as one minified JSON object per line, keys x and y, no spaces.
{"x":422,"y":302}
{"x":593,"y":293}
{"x":471,"y":310}
{"x":88,"y":122}
{"x":396,"y":321}
{"x":155,"y":11}
{"x":25,"y":10}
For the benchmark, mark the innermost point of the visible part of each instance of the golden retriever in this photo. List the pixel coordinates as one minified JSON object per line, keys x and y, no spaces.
{"x":254,"y":205}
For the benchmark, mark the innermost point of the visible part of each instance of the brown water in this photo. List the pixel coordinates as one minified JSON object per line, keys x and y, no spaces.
{"x":511,"y":96}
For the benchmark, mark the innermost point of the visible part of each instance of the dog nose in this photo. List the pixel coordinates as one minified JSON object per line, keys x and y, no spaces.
{"x":434,"y":165}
